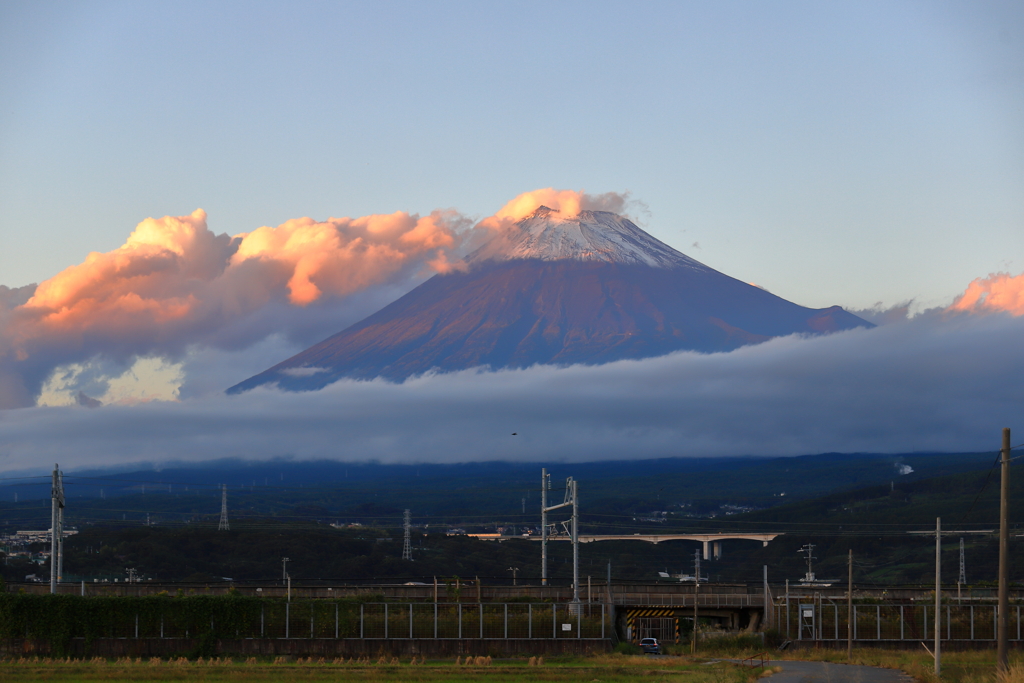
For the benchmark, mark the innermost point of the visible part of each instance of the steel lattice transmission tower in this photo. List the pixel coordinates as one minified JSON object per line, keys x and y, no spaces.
{"x":407,"y":545}
{"x":223,"y":526}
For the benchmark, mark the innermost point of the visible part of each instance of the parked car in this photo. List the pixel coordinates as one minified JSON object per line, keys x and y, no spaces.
{"x":650,"y":646}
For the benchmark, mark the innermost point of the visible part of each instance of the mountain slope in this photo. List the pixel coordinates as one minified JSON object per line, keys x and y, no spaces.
{"x":522,"y":312}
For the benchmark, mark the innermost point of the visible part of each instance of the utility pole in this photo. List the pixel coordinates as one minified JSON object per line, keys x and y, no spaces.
{"x":515,"y":571}
{"x":938,"y":595}
{"x":56,"y":527}
{"x":809,"y":549}
{"x":849,"y":605}
{"x":962,"y":578}
{"x":696,"y":592}
{"x":764,"y":596}
{"x":545,"y":484}
{"x":1002,"y":663}
{"x":407,"y":544}
{"x":284,"y":568}
{"x":223,"y":525}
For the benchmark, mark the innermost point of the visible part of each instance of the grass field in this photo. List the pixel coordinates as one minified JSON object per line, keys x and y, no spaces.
{"x":601,"y":669}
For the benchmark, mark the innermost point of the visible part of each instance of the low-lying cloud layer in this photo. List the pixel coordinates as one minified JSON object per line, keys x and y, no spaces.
{"x":176,"y":286}
{"x":925,"y":384}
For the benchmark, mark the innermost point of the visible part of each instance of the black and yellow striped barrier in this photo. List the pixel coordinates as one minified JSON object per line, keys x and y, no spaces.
{"x":634,"y":614}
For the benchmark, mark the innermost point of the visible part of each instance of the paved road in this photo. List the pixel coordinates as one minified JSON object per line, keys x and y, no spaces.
{"x":822,"y":672}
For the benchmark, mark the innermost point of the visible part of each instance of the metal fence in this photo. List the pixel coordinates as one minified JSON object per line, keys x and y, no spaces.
{"x":824,"y":619}
{"x":340,"y":620}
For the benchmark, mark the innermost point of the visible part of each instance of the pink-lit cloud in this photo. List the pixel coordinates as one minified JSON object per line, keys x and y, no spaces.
{"x":174,"y":283}
{"x":999,"y":293}
{"x":569,"y":202}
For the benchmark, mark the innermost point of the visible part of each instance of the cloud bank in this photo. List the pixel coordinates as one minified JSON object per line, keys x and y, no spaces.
{"x":926,"y":384}
{"x":200,"y":311}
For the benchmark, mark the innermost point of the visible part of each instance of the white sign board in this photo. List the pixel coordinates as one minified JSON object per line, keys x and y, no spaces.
{"x":808,"y":613}
{"x":566,"y":627}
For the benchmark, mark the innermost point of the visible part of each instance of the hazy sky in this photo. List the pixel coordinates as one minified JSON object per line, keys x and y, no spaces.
{"x":834,"y":153}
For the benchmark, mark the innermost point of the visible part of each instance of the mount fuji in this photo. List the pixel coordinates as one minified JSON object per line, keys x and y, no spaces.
{"x":555,"y":289}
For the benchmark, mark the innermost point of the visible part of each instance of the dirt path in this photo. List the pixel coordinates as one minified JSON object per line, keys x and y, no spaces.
{"x":823,"y":672}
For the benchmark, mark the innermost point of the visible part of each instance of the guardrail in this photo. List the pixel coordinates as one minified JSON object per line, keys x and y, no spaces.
{"x":724,"y":600}
{"x":759,"y":660}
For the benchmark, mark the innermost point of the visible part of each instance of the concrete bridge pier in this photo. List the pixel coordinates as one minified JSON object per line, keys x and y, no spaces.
{"x":715,"y":547}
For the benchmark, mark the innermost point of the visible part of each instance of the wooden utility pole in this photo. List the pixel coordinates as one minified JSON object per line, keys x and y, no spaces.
{"x":1002,"y":665}
{"x":849,"y":605}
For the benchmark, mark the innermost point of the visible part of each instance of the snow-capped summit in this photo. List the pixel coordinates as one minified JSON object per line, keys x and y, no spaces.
{"x":549,"y":235}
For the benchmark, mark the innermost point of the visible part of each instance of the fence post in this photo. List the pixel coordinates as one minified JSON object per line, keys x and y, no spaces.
{"x":435,"y":619}
{"x":410,"y":621}
{"x":137,"y":627}
{"x":529,"y":616}
{"x":458,"y":606}
{"x":506,"y":621}
{"x":480,"y":605}
{"x":261,"y":621}
{"x":385,"y":621}
{"x":902,"y":622}
{"x":361,"y":621}
{"x":312,"y":611}
{"x":287,"y":620}
{"x":335,"y":621}
{"x":602,"y":621}
{"x":161,"y":626}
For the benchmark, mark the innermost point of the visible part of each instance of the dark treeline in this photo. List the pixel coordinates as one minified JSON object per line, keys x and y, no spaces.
{"x":266,"y":524}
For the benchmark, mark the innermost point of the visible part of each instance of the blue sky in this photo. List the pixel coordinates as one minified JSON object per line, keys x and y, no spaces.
{"x":835,"y":153}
